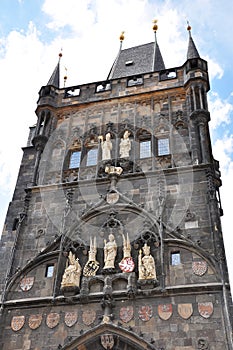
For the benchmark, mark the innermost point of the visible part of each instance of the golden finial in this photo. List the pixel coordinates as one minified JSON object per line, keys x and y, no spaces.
{"x":155,"y":26}
{"x":122,"y":37}
{"x":188,"y":27}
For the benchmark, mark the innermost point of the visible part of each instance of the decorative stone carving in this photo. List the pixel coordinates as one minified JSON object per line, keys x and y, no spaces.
{"x":117,"y":170}
{"x":125,"y":145}
{"x":92,"y":264}
{"x":17,"y":323}
{"x":34,"y":321}
{"x":72,"y":273}
{"x":202,"y":344}
{"x":185,"y":310}
{"x":127,"y":263}
{"x":146,"y":264}
{"x":110,"y":252}
{"x":106,"y":146}
{"x":145,"y":312}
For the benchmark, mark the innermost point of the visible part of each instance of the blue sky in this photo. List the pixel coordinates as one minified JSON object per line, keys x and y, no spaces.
{"x":32,"y":33}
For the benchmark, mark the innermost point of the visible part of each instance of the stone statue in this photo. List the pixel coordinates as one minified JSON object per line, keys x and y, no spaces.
{"x":106,"y":146}
{"x":72,"y":273}
{"x":110,"y":252}
{"x":125,"y":145}
{"x":92,"y":265}
{"x":146,"y":264}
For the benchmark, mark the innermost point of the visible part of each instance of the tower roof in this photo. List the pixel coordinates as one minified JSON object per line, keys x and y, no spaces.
{"x":55,"y":77}
{"x":192,"y":50}
{"x":137,"y":60}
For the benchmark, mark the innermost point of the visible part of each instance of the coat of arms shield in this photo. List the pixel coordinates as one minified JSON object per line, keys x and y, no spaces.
{"x":35,"y":321}
{"x":205,"y":309}
{"x":199,"y":267}
{"x":26,"y":283}
{"x":17,"y":322}
{"x":88,"y":317}
{"x":165,"y":311}
{"x":126,"y":313}
{"x":52,"y":319}
{"x":107,"y":341}
{"x":185,"y":310}
{"x":71,"y":318}
{"x":145,"y":312}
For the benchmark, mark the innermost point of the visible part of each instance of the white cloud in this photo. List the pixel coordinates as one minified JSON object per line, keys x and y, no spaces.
{"x":220,"y":110}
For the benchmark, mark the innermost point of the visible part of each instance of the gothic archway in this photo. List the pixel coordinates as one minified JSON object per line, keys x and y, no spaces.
{"x":108,"y":336}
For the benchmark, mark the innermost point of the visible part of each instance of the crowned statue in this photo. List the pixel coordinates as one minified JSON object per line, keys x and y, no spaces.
{"x":146,"y":264}
{"x":72,"y":273}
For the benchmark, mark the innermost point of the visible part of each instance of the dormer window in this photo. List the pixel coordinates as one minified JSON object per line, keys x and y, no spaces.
{"x":129,"y":63}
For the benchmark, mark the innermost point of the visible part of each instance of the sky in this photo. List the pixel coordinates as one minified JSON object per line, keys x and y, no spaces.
{"x":33,"y":32}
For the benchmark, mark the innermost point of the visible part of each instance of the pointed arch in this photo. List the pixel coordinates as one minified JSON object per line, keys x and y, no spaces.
{"x":123,"y":338}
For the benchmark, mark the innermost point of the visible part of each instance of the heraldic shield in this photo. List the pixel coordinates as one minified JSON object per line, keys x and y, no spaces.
{"x":107,"y":341}
{"x":205,"y":309}
{"x":165,"y":311}
{"x":126,"y":313}
{"x":71,"y":318}
{"x":185,"y":310}
{"x":17,"y":323}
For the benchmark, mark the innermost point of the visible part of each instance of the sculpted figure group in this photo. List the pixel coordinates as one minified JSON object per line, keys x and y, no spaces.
{"x":106,"y":145}
{"x":73,"y":270}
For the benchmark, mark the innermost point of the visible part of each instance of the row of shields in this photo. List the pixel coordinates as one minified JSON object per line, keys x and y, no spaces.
{"x":126,"y":314}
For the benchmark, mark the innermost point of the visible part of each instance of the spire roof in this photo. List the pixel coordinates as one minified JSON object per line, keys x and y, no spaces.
{"x":192,"y":50}
{"x":55,"y":77}
{"x":158,"y":63}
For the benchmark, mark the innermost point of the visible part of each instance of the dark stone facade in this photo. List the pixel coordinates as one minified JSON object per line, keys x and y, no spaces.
{"x":167,"y":198}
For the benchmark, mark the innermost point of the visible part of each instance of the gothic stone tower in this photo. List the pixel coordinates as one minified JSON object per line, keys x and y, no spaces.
{"x":113,"y":237}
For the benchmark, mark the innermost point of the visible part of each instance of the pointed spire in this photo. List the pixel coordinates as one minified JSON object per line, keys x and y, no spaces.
{"x":192,"y":50}
{"x":158,"y":63}
{"x":55,"y":77}
{"x":110,"y":74}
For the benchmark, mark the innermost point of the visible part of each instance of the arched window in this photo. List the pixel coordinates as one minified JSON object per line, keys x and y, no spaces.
{"x":75,"y":159}
{"x":145,"y":144}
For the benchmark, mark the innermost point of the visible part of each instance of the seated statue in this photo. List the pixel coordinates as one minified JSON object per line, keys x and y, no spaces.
{"x":146,"y":264}
{"x":72,"y":273}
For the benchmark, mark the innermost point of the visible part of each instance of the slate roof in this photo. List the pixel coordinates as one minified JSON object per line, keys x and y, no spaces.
{"x":137,"y":60}
{"x":192,"y":50}
{"x":55,"y":77}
